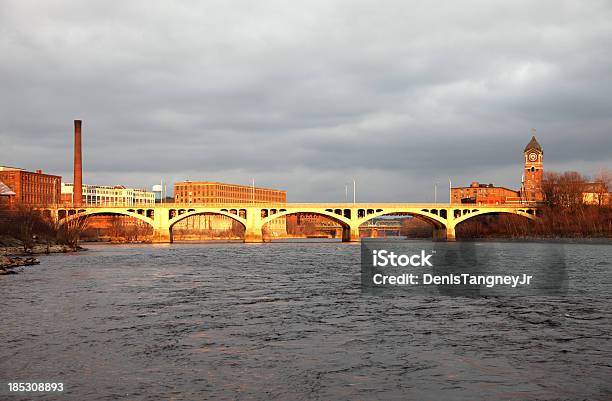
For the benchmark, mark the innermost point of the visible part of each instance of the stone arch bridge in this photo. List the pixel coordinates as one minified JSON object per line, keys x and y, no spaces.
{"x":162,"y":217}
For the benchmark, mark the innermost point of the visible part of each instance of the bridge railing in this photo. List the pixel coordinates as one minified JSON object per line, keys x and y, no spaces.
{"x":292,"y":205}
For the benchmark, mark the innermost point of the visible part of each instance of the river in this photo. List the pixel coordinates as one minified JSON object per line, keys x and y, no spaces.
{"x":288,"y":321}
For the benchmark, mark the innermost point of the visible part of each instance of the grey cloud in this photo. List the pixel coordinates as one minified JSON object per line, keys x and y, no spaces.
{"x":306,"y":96}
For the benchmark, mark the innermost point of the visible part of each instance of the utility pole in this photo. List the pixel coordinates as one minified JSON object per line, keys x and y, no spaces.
{"x":522,"y":189}
{"x":345,"y":193}
{"x":435,"y":193}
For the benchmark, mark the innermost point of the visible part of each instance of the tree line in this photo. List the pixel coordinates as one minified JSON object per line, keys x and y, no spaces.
{"x":573,"y":206}
{"x":31,"y":226}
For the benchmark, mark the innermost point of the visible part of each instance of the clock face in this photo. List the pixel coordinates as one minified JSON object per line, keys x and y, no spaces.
{"x":533,"y":157}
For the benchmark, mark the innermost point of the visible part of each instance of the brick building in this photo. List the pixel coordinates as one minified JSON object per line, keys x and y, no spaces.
{"x":206,"y":192}
{"x":484,"y":194}
{"x":31,"y":188}
{"x":218,"y":192}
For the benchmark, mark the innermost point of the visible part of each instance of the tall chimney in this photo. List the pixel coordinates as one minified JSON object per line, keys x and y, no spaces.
{"x":77,"y":197}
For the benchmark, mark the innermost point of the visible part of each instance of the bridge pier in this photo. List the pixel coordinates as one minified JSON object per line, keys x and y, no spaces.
{"x":444,"y":234}
{"x":162,"y":236}
{"x":253,"y":236}
{"x":350,"y":234}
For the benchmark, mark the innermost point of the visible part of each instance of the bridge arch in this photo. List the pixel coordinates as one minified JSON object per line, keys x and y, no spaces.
{"x":435,"y":220}
{"x":343,"y":221}
{"x":98,"y":212}
{"x":527,"y":213}
{"x":195,"y":212}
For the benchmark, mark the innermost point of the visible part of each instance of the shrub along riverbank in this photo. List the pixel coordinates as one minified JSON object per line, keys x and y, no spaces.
{"x":584,"y":222}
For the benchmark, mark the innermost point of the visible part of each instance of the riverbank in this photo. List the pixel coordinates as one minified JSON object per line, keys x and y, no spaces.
{"x":7,"y":264}
{"x":12,"y":257}
{"x":38,"y":249}
{"x":568,"y":238}
{"x":12,"y":254}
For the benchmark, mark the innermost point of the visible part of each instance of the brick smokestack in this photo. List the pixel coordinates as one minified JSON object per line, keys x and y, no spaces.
{"x":77,"y":196}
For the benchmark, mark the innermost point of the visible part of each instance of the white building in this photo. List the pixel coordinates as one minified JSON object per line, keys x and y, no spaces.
{"x":109,"y":196}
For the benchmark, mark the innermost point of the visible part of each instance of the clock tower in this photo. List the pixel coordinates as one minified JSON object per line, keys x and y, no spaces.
{"x":533,"y":172}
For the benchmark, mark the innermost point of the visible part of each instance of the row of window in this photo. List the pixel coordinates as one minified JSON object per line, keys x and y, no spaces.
{"x":111,"y":200}
{"x":183,"y":199}
{"x":220,"y":190}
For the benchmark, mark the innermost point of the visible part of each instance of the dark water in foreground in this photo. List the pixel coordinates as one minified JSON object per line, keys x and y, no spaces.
{"x":288,"y":321}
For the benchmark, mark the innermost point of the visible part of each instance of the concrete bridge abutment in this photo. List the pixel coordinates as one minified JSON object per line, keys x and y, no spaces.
{"x":253,"y":236}
{"x":253,"y":230}
{"x":162,"y":229}
{"x":444,"y":234}
{"x":162,"y":236}
{"x":350,"y":234}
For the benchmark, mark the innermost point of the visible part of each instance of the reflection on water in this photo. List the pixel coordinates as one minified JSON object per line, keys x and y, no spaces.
{"x":288,"y":321}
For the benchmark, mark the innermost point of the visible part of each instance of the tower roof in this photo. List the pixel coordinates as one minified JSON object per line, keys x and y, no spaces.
{"x":533,"y":144}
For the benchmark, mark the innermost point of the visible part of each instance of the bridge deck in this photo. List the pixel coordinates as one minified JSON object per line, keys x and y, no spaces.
{"x":295,"y":205}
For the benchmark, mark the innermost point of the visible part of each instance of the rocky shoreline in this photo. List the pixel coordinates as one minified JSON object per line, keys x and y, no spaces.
{"x":12,"y":256}
{"x":38,"y":249}
{"x":7,"y":264}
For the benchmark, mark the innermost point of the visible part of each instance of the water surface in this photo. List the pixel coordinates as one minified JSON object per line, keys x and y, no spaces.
{"x":288,"y":321}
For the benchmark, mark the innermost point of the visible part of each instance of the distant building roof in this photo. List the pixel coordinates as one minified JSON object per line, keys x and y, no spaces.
{"x":69,"y":187}
{"x":5,"y":190}
{"x":9,"y":168}
{"x":477,"y":185}
{"x":533,"y":144}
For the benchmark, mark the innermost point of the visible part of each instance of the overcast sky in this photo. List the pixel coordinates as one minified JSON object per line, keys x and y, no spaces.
{"x":306,"y":95}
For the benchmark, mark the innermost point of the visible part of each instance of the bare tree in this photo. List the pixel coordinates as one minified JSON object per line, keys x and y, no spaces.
{"x":140,"y":230}
{"x":550,"y":188}
{"x":48,"y":228}
{"x":72,"y":229}
{"x":5,"y":217}
{"x":571,"y":188}
{"x":116,"y":227}
{"x":24,"y":221}
{"x":564,"y":190}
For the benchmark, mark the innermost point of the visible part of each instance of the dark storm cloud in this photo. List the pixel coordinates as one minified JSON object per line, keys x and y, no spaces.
{"x":306,"y":96}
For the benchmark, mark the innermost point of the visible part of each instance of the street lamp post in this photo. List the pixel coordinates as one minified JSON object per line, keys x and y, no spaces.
{"x":435,"y":193}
